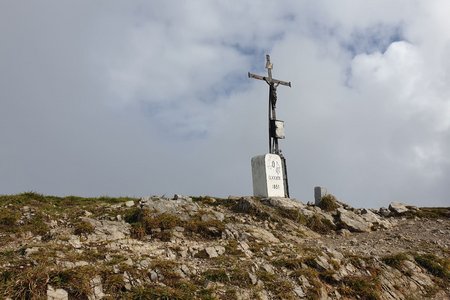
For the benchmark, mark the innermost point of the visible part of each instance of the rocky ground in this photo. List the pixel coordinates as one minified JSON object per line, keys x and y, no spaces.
{"x":209,"y":248}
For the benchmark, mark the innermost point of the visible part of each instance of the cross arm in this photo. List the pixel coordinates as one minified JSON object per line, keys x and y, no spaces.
{"x":266,"y":79}
{"x":254,"y":76}
{"x":282,"y":82}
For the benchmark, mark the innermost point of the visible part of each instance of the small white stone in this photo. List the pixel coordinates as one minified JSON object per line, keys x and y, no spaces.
{"x":211,"y":251}
{"x":58,"y":294}
{"x":129,"y":203}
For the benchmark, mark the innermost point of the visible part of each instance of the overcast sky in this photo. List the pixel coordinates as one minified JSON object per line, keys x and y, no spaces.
{"x":152,"y":97}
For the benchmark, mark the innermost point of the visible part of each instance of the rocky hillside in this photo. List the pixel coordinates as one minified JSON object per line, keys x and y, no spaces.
{"x":210,"y":248}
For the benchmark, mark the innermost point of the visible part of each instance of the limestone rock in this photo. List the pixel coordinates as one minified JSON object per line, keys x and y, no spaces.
{"x":383,"y":211}
{"x":97,"y":288}
{"x":398,"y":208}
{"x":106,"y":230}
{"x":161,"y":205}
{"x":212,"y":252}
{"x":263,"y":235}
{"x":129,"y":203}
{"x":352,"y":221}
{"x":376,"y":221}
{"x":56,"y":294}
{"x":283,"y":203}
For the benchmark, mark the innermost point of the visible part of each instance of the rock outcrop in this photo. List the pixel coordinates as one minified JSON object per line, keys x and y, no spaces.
{"x":210,"y":248}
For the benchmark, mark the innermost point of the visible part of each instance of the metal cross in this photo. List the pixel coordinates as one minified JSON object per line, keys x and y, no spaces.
{"x":273,"y":84}
{"x":273,"y":135}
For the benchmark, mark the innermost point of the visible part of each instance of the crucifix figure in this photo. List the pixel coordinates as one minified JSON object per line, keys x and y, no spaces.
{"x":276,"y":127}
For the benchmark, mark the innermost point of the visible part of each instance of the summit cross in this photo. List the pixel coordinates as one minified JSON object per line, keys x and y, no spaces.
{"x":276,"y":127}
{"x":273,"y":84}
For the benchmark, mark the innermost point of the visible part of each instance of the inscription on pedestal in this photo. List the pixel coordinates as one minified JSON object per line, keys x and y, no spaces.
{"x":267,"y":173}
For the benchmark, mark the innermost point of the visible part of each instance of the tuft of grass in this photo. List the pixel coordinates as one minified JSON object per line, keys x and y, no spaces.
{"x":328,"y":203}
{"x":315,"y":222}
{"x":364,"y":287}
{"x":216,"y":275}
{"x":429,"y":213}
{"x":435,"y":265}
{"x":167,"y":269}
{"x":320,"y":224}
{"x":289,"y":263}
{"x":281,"y":288}
{"x":145,"y":222}
{"x":293,"y":214}
{"x":30,"y":283}
{"x":8,"y":217}
{"x":232,"y":249}
{"x":395,"y":260}
{"x":75,"y":281}
{"x":207,"y":229}
{"x":83,"y":228}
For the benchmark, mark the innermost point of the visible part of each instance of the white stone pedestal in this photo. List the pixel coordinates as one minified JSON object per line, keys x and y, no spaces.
{"x":267,"y":173}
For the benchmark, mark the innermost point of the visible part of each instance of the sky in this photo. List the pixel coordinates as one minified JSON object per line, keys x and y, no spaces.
{"x":136,"y":98}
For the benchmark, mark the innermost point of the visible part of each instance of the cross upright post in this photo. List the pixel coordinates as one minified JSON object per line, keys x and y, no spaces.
{"x":276,"y":129}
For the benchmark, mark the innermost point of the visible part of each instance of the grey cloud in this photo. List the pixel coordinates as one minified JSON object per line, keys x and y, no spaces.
{"x":152,"y":98}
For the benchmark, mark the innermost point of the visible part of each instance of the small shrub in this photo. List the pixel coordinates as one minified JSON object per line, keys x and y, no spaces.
{"x":83,"y":228}
{"x":135,"y":215}
{"x":138,"y":231}
{"x":328,"y":203}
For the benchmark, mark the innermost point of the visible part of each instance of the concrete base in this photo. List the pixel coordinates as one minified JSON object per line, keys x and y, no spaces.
{"x":267,"y":174}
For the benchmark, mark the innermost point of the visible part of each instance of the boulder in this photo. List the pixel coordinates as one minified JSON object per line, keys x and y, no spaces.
{"x":398,"y":208}
{"x":351,"y":221}
{"x":283,"y":203}
{"x":383,"y":211}
{"x":376,"y":221}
